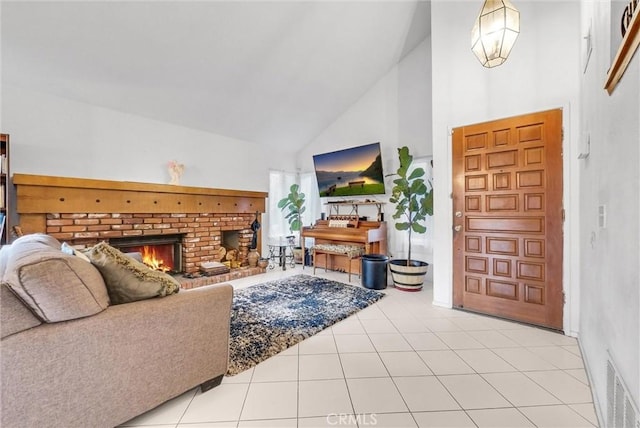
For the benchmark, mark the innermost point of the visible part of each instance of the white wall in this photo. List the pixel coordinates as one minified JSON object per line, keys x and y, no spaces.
{"x":396,"y":111}
{"x":541,"y":73}
{"x":610,"y":257}
{"x":56,"y":136}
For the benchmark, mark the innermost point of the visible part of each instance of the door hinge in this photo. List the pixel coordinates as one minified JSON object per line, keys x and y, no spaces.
{"x":563,"y":215}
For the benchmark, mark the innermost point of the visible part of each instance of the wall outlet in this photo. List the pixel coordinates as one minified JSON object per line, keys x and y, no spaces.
{"x":602,"y":216}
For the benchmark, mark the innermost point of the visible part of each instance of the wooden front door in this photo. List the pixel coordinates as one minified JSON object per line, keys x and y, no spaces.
{"x":507,"y":204}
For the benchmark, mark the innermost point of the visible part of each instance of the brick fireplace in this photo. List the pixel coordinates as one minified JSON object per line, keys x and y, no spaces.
{"x":201,"y":232}
{"x":83,"y":212}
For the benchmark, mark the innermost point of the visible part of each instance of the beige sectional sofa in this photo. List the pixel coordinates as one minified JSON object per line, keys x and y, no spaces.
{"x":110,"y":363}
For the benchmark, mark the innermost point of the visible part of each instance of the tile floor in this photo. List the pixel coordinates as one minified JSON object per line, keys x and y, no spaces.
{"x":399,"y":363}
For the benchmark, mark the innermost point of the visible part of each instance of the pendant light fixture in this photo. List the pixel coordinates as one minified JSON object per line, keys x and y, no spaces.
{"x":495,"y":32}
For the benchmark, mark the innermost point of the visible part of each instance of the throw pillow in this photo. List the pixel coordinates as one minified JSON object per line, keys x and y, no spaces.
{"x":53,"y":285}
{"x":127,"y":279}
{"x":68,"y":249}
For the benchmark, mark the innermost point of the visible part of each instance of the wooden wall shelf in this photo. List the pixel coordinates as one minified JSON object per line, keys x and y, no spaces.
{"x":334,"y":207}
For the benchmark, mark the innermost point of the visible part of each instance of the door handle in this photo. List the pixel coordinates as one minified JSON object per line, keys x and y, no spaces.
{"x":457,"y":228}
{"x":458,"y":214}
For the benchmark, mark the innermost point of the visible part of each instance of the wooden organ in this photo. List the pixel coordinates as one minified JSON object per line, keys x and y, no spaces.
{"x":347,"y":230}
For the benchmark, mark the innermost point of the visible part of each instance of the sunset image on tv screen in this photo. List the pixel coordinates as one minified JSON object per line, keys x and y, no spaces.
{"x":350,"y":172}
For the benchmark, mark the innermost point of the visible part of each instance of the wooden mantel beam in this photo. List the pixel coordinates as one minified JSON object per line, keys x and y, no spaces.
{"x":39,"y":194}
{"x":88,"y":183}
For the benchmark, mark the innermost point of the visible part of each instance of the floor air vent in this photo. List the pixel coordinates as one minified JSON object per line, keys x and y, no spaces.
{"x":621,"y":410}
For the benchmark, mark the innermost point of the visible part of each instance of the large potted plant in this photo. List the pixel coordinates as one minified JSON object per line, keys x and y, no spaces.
{"x":293,"y":207}
{"x":414,"y":202}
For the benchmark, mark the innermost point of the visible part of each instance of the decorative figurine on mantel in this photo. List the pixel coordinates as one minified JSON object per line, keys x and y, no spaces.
{"x":175,"y":171}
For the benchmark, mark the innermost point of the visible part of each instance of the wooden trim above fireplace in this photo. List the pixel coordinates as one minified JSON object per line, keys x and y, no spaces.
{"x":38,"y":195}
{"x":42,"y":194}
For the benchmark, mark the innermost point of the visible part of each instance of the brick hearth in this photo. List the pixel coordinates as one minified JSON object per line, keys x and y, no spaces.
{"x":83,"y":212}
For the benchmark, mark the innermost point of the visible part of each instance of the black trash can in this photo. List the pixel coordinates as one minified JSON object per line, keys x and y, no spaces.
{"x":374,"y":271}
{"x":307,"y":257}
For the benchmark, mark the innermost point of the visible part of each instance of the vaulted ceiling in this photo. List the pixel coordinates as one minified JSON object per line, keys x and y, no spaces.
{"x":268,"y":72}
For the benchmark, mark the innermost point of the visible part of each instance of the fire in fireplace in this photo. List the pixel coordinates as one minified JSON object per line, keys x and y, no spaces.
{"x":154,"y":256}
{"x":162,"y":252}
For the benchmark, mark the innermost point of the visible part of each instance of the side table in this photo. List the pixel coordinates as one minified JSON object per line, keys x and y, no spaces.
{"x":281,"y":253}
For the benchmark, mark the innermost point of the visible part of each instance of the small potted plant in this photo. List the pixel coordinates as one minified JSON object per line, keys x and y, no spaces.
{"x":293,"y":207}
{"x":414,"y":202}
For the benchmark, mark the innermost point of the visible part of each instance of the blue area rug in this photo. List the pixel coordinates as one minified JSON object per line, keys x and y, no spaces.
{"x":268,"y":318}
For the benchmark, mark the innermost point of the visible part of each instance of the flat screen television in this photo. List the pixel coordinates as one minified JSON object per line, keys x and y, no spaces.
{"x":356,"y":171}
